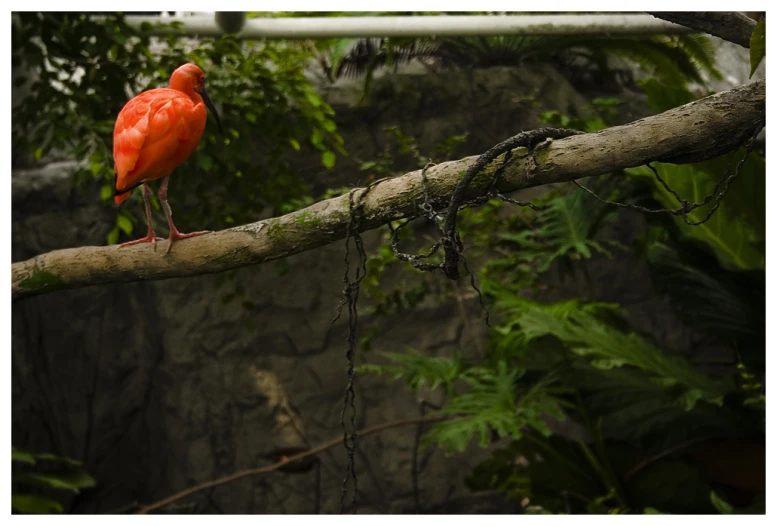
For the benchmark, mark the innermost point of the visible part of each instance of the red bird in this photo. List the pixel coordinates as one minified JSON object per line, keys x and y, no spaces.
{"x":155,"y":133}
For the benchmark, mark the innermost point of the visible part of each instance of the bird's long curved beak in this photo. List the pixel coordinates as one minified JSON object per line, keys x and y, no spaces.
{"x":212,"y":108}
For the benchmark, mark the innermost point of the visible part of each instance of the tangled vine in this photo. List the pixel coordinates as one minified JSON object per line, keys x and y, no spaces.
{"x":453,"y":247}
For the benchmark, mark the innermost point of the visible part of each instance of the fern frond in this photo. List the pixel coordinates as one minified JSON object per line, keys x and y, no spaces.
{"x":418,"y":371}
{"x":606,"y":348}
{"x":563,"y":232}
{"x":494,"y":404}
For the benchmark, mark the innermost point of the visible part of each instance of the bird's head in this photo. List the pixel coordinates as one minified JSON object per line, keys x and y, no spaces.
{"x":188,"y":78}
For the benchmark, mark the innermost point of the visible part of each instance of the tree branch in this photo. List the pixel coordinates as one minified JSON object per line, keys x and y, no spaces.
{"x":700,"y":130}
{"x":733,"y":26}
{"x":294,"y":458}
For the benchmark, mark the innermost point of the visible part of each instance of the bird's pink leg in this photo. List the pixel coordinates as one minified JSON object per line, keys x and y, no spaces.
{"x":174,"y":233}
{"x":151,"y":236}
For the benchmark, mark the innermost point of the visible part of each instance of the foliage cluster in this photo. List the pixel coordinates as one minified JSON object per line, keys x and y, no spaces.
{"x":79,"y":71}
{"x":674,"y":59}
{"x":647,"y":430}
{"x":53,"y":473}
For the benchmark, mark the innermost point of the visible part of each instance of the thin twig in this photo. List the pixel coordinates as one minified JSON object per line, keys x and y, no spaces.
{"x":294,"y":458}
{"x":423,"y":404}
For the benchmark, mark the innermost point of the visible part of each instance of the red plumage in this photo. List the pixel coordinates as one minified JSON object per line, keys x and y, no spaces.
{"x":156,"y":132}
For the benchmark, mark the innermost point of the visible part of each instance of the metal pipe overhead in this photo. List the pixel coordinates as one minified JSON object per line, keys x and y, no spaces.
{"x":421,"y":26}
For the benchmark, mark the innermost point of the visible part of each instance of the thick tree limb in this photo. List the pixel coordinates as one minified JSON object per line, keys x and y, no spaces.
{"x":700,"y":130}
{"x":733,"y":26}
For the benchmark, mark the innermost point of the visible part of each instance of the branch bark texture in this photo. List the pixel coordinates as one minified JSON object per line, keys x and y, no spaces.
{"x":700,"y":130}
{"x":733,"y":26}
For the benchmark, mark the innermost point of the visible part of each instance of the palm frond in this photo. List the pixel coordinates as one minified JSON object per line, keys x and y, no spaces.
{"x":728,"y":306}
{"x":701,"y":51}
{"x":660,"y":55}
{"x":674,"y":59}
{"x":358,"y":57}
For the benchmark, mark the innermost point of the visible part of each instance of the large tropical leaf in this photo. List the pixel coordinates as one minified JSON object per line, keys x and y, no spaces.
{"x":735,"y":232}
{"x":632,"y":406}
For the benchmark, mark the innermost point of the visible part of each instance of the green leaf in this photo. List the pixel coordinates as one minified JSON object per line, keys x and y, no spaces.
{"x":730,"y":234}
{"x":757,"y":45}
{"x":106,"y":192}
{"x":313,"y":98}
{"x":328,"y":159}
{"x":34,"y":504}
{"x":317,"y":137}
{"x":418,"y":370}
{"x":95,"y":168}
{"x":662,"y":97}
{"x":69,"y":480}
{"x":124,"y":224}
{"x":19,"y":455}
{"x":37,"y":154}
{"x":721,"y":505}
{"x":587,"y":334}
{"x":492,"y":406}
{"x":337,"y":52}
{"x":113,"y":236}
{"x":206,"y":162}
{"x":294,"y":144}
{"x":561,"y":233}
{"x":58,"y":458}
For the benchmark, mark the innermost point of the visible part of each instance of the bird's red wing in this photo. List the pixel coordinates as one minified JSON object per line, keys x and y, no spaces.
{"x":129,"y":135}
{"x":146,"y":120}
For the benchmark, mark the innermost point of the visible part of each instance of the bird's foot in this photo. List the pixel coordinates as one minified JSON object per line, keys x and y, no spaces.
{"x":150,"y":238}
{"x":176,"y":235}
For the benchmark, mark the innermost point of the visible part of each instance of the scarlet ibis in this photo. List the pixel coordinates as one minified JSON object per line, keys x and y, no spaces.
{"x":154,"y":134}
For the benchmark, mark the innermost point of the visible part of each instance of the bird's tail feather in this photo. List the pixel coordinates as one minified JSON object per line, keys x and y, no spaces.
{"x":118,"y":198}
{"x":121,"y":195}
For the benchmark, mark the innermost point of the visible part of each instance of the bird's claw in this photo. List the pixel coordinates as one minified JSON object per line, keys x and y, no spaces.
{"x":175,"y":235}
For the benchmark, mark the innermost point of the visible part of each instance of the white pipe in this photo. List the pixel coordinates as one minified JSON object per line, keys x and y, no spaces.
{"x":423,"y":26}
